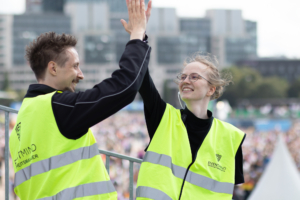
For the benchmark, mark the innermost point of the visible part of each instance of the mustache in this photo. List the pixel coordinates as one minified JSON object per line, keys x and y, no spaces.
{"x":76,"y":81}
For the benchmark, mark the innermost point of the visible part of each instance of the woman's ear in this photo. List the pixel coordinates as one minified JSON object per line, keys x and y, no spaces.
{"x":211,"y":91}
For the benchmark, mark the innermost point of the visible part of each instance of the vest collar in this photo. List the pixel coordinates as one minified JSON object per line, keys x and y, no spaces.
{"x":38,"y":89}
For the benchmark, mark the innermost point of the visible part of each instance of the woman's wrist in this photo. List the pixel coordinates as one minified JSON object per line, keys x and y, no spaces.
{"x":137,"y":35}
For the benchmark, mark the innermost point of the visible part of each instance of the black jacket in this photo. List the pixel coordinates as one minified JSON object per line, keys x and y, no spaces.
{"x":76,"y":112}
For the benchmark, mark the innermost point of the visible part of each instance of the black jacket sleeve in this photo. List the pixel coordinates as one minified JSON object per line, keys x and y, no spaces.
{"x":239,"y":174}
{"x":76,"y":112}
{"x":154,"y":106}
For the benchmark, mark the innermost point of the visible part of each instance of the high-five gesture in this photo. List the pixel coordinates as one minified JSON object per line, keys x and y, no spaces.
{"x":138,"y":18}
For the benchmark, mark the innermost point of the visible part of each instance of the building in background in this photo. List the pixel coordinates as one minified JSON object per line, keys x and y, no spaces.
{"x":42,"y":6}
{"x":5,"y":48}
{"x":288,"y":69}
{"x":6,"y":22}
{"x":34,"y":6}
{"x":17,"y":31}
{"x":199,"y":31}
{"x":232,"y":37}
{"x":87,"y":16}
{"x":54,"y":6}
{"x":25,"y":28}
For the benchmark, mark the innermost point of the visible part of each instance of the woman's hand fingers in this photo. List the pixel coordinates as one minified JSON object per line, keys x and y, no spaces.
{"x":137,"y":6}
{"x":148,"y":11}
{"x":142,"y":11}
{"x":133,"y":6}
{"x":137,"y":19}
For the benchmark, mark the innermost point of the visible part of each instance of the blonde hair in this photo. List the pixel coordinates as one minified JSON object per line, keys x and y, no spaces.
{"x":216,"y":78}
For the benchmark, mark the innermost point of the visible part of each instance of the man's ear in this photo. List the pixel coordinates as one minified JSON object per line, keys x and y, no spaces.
{"x":52,"y":68}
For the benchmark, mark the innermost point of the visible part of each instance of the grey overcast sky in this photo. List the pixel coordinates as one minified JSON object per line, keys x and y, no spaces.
{"x":278,"y":20}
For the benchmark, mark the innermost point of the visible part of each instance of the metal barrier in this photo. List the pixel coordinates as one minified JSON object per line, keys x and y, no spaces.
{"x":107,"y":153}
{"x":130,"y":159}
{"x":6,"y":152}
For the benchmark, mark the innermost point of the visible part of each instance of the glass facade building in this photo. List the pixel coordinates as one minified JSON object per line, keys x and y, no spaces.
{"x":288,"y":69}
{"x":99,"y":49}
{"x":56,"y":6}
{"x":29,"y":26}
{"x":198,"y":31}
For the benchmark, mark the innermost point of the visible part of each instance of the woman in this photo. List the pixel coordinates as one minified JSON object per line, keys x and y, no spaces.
{"x":191,"y":155}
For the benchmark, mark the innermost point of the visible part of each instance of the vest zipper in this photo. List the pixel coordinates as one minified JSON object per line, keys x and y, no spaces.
{"x":184,"y":179}
{"x":188,"y":169}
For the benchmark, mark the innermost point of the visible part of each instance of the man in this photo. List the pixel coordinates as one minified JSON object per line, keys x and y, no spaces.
{"x":55,"y":155}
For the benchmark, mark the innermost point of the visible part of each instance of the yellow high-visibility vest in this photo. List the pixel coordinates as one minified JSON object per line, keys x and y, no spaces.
{"x":50,"y":166}
{"x":166,"y":172}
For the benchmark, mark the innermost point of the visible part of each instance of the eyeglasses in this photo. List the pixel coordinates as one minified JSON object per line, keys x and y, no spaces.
{"x":193,"y":77}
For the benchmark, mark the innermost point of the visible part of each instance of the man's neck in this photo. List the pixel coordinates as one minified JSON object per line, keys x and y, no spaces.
{"x":47,"y":82}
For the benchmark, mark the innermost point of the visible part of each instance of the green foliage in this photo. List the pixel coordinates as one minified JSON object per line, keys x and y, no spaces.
{"x":294,"y":89}
{"x":272,"y":87}
{"x":248,"y":83}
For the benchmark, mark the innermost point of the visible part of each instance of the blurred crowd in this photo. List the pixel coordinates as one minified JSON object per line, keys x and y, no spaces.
{"x":126,"y":133}
{"x":257,"y":152}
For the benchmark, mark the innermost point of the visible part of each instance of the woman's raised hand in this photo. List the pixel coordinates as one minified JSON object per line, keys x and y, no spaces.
{"x":138,"y":18}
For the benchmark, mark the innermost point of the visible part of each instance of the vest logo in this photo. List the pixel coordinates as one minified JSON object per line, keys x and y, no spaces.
{"x":18,"y":130}
{"x":217,"y":166}
{"x":219,"y":157}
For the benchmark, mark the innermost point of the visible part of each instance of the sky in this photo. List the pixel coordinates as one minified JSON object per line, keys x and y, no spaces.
{"x":278,"y":21}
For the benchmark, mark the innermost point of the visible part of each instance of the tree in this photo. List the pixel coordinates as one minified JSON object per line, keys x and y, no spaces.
{"x":245,"y":81}
{"x":248,"y":83}
{"x":294,"y":89}
{"x":272,"y":87}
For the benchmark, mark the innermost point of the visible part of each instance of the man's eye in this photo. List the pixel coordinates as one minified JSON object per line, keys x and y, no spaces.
{"x":183,"y":77}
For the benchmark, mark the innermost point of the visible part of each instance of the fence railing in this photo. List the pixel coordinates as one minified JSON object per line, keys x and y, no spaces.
{"x":131,"y":161}
{"x":107,"y":153}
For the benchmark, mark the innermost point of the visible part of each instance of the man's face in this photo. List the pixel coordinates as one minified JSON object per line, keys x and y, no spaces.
{"x":69,"y":75}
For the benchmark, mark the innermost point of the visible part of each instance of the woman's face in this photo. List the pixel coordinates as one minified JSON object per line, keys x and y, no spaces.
{"x":198,"y":90}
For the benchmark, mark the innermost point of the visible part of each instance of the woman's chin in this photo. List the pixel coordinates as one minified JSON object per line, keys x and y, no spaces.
{"x":185,"y":99}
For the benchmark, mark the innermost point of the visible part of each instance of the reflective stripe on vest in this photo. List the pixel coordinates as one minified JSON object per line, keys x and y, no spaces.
{"x":55,"y":162}
{"x":151,"y":193}
{"x":193,"y":178}
{"x":84,"y":190}
{"x":166,"y":161}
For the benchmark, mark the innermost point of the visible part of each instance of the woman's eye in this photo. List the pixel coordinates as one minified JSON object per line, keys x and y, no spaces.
{"x":194,"y":77}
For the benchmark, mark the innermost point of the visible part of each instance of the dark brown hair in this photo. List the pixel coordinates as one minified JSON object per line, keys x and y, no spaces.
{"x":48,"y":47}
{"x":218,"y":79}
